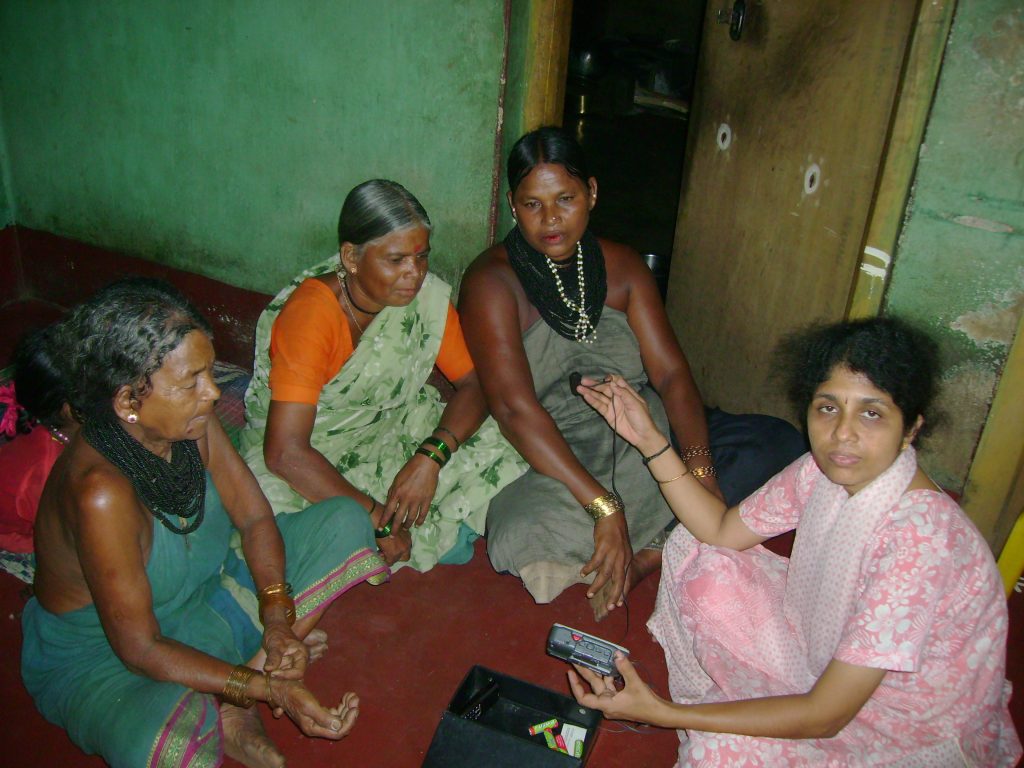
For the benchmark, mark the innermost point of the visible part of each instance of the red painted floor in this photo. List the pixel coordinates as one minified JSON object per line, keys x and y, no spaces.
{"x":404,"y":647}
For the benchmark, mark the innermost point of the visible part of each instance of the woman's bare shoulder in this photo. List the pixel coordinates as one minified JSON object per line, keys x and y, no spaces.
{"x":488,"y":273}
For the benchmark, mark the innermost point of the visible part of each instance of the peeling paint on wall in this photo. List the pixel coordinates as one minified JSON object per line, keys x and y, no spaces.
{"x":958,"y":269}
{"x":992,"y":323}
{"x":959,"y":412}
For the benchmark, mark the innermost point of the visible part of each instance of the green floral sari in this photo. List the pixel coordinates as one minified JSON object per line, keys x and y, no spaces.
{"x":373,"y":415}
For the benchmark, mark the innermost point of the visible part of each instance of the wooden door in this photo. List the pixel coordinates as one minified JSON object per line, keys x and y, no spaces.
{"x":789,"y":127}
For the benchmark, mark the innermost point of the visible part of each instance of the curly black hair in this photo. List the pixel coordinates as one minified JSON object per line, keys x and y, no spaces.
{"x":898,"y":358}
{"x":120,"y":337}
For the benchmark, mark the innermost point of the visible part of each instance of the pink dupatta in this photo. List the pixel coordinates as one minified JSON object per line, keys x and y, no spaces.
{"x":835,"y":534}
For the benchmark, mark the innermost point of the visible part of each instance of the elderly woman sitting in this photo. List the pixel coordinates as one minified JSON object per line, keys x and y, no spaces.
{"x":143,"y":615}
{"x":340,"y":405}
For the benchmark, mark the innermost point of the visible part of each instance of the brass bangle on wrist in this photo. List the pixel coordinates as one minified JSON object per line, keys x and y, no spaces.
{"x":236,"y":685}
{"x":671,"y":479}
{"x":277,"y":594}
{"x":272,"y":700}
{"x":603,"y":506}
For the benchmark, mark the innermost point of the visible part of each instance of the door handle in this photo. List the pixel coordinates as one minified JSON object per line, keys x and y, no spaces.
{"x":734,"y":18}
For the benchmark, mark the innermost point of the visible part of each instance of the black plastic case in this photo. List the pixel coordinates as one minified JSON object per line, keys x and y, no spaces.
{"x":488,"y":719}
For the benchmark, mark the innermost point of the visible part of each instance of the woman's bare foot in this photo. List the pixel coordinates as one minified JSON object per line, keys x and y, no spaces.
{"x":316,"y":644}
{"x":246,"y":741}
{"x":644,"y":563}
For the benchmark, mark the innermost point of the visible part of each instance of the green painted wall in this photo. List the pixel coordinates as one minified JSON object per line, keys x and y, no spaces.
{"x":520,"y":53}
{"x":959,"y":267}
{"x":221,"y":136}
{"x":6,"y":202}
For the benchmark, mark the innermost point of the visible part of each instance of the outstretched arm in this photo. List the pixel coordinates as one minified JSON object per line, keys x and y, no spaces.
{"x":491,"y":322}
{"x":664,"y":361}
{"x":702,"y":512}
{"x":822,"y":712}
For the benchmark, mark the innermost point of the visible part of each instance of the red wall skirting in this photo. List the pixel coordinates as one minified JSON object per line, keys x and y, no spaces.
{"x":39,"y":265}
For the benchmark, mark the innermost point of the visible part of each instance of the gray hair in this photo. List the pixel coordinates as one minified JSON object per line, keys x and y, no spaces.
{"x":376,"y":208}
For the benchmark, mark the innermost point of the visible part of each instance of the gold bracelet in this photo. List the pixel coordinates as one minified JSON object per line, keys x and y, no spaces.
{"x":236,"y":685}
{"x":277,"y":594}
{"x":694,"y":451}
{"x":271,"y":698}
{"x":603,"y":506}
{"x":700,"y":472}
{"x":672,"y":479}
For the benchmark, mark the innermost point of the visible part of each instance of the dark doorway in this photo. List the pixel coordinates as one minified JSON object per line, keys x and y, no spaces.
{"x":630,"y":76}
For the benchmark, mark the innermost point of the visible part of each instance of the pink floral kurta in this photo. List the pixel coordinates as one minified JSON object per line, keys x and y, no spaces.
{"x":925,"y":602}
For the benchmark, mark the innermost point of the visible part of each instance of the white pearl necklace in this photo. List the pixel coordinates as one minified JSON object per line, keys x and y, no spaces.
{"x":584,"y":330}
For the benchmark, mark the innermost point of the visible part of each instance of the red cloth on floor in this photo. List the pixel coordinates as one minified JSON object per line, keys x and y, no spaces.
{"x":25,"y":463}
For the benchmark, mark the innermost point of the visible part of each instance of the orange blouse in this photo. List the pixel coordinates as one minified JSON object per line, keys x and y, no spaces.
{"x":311,"y":340}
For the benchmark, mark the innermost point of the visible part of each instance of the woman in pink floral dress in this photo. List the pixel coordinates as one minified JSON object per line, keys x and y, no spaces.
{"x":881,"y":641}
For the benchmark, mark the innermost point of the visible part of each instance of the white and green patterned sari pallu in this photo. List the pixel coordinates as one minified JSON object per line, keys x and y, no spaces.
{"x":374,"y":414}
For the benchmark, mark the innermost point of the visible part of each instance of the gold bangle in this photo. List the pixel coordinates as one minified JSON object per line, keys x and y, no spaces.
{"x":277,"y":594}
{"x":700,"y":472}
{"x":603,"y":506}
{"x":672,"y":479}
{"x":694,"y":451}
{"x":235,"y":686}
{"x":271,"y":698}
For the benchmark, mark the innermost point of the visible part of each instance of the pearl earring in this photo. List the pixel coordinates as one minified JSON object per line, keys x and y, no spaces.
{"x":132,"y":417}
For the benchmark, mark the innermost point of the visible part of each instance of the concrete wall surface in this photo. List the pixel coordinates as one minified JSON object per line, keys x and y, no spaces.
{"x":221,"y":137}
{"x":959,"y":267}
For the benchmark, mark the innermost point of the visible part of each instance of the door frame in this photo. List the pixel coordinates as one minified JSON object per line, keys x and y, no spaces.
{"x":995,"y":482}
{"x":548,"y":62}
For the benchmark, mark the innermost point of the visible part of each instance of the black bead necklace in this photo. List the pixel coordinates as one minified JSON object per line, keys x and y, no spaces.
{"x":572,"y":315}
{"x":175,"y":488}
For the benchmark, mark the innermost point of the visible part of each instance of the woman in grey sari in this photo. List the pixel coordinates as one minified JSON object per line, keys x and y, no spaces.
{"x":550,"y":301}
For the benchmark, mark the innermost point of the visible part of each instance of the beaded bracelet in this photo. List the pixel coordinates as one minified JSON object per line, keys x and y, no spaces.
{"x":277,"y":594}
{"x":236,"y":685}
{"x":450,"y":434}
{"x":603,"y":506}
{"x":694,"y":451}
{"x":700,"y":472}
{"x":423,"y":451}
{"x":648,"y":459}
